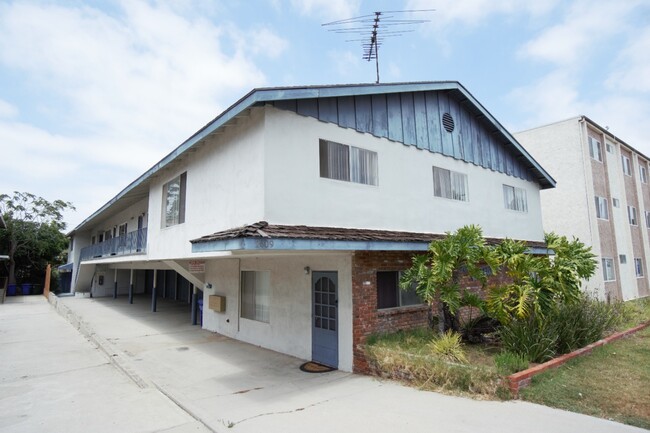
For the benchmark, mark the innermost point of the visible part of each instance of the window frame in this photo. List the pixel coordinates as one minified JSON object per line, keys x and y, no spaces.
{"x":643,"y":174}
{"x":598,"y":148}
{"x":647,"y":219}
{"x":452,"y":193}
{"x":399,"y":292}
{"x":638,"y":267}
{"x":627,"y":165}
{"x":604,"y":266}
{"x":616,"y":202}
{"x":633,"y":218}
{"x":600,"y":202}
{"x":515,"y":189}
{"x":326,"y":172}
{"x":260,"y":312}
{"x":181,"y":179}
{"x":622,"y":258}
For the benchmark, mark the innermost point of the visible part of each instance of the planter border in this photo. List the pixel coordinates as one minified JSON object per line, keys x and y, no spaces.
{"x":523,"y":378}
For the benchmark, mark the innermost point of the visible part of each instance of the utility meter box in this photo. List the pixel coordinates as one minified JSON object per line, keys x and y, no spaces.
{"x":217,"y":303}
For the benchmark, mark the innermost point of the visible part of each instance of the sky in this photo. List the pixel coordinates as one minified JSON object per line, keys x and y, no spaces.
{"x":93,"y":93}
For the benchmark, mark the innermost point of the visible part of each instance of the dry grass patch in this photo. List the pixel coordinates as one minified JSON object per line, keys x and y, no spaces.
{"x":610,"y":383}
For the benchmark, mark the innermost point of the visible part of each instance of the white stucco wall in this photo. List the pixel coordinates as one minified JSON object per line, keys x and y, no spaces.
{"x":296,"y":194}
{"x":569,"y":208}
{"x":225,"y":179}
{"x":289,"y":327}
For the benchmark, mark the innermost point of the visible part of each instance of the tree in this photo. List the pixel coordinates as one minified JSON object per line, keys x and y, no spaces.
{"x":539,"y":281}
{"x":33,"y":236}
{"x":437,"y":274}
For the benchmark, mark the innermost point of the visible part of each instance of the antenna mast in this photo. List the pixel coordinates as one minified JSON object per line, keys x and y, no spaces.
{"x":380,"y":25}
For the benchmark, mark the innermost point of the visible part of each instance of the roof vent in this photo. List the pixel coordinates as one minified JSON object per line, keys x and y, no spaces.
{"x":448,"y":122}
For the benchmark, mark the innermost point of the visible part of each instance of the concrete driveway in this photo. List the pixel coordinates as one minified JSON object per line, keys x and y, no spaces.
{"x":233,"y":386}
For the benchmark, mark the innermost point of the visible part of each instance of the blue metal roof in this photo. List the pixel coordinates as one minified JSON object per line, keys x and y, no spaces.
{"x":273,"y":94}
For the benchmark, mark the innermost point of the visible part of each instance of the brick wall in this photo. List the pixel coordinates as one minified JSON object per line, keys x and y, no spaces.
{"x":368,"y":320}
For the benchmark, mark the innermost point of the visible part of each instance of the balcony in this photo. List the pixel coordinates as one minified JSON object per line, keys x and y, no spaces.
{"x":130,"y":243}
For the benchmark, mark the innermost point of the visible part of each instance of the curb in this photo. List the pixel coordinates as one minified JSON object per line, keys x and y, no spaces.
{"x":523,"y":378}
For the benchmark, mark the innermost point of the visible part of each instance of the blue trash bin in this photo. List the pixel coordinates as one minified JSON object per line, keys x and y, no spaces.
{"x":27,"y":288}
{"x":11,"y":290}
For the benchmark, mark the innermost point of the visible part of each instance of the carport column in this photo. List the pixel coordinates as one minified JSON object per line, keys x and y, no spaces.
{"x":153,"y":291}
{"x":131,"y":288}
{"x":195,"y":300}
{"x":115,"y":285}
{"x":164,"y":284}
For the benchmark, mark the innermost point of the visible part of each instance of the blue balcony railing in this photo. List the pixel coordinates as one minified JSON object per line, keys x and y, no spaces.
{"x":130,"y":243}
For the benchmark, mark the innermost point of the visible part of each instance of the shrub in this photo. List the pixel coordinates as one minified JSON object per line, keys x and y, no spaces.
{"x":532,"y":339}
{"x":508,"y":363}
{"x":583,"y":322}
{"x":449,"y":347}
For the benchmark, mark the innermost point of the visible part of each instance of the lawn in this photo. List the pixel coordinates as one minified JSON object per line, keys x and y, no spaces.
{"x":613,"y":382}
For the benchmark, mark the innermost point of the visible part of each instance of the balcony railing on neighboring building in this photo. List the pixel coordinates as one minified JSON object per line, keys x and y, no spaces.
{"x":130,"y":243}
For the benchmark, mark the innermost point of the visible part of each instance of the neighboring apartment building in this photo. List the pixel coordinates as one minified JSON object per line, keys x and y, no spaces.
{"x":293,"y":212}
{"x":603,"y":198}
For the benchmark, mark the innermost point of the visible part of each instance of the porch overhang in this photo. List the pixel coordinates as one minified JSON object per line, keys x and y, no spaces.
{"x":262,"y":236}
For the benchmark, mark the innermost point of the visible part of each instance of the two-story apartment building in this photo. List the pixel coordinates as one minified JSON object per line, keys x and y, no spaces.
{"x":295,"y":209}
{"x":603,"y":198}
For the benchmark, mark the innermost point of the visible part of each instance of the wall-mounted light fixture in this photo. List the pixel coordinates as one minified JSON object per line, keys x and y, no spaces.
{"x":208,"y":285}
{"x":307,"y":270}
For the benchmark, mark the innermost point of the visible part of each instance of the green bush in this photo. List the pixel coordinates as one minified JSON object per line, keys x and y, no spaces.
{"x":532,"y":339}
{"x":508,"y":363}
{"x":449,"y":347}
{"x":583,"y":322}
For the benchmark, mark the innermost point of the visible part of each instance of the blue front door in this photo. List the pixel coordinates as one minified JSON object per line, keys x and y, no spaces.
{"x":325,"y":337}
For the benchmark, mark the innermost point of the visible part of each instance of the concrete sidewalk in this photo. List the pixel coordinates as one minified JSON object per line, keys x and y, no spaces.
{"x":54,"y":380}
{"x":233,"y":386}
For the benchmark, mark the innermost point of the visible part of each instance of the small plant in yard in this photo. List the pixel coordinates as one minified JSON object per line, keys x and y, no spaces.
{"x":534,"y":340}
{"x":449,"y":347}
{"x":509,"y":363}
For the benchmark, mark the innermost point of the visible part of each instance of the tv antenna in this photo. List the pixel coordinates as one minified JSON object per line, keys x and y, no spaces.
{"x":373,"y":29}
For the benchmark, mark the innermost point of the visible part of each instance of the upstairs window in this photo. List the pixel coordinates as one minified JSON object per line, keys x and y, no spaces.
{"x":450,"y":184}
{"x":626,"y":165}
{"x":643,"y":174}
{"x":610,"y":148}
{"x":602,"y":212}
{"x":389,"y":294}
{"x":174,"y":201}
{"x":631,"y":215}
{"x":622,"y":258}
{"x":594,"y":149}
{"x":647,"y":219}
{"x":347,"y":163}
{"x":515,"y":198}
{"x":616,"y":202}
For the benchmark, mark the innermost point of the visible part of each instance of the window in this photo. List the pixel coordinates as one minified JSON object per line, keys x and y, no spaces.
{"x":643,"y":174}
{"x":647,"y":219}
{"x":594,"y":149}
{"x":638,"y":267}
{"x":389,"y":295}
{"x":616,"y":202}
{"x":255,"y":295}
{"x":515,"y":198}
{"x":610,"y":148}
{"x":622,"y":258}
{"x":450,"y":184}
{"x":174,"y":201}
{"x":93,"y":240}
{"x":631,"y":215}
{"x":608,"y":269}
{"x":626,"y":165}
{"x":602,"y":211}
{"x":121,"y":233}
{"x":348,"y":163}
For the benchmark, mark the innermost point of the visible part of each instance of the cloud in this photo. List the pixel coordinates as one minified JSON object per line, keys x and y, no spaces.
{"x":7,"y":110}
{"x":119,"y":88}
{"x":328,"y":9}
{"x":632,"y":73}
{"x":474,"y":12}
{"x":583,"y":25}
